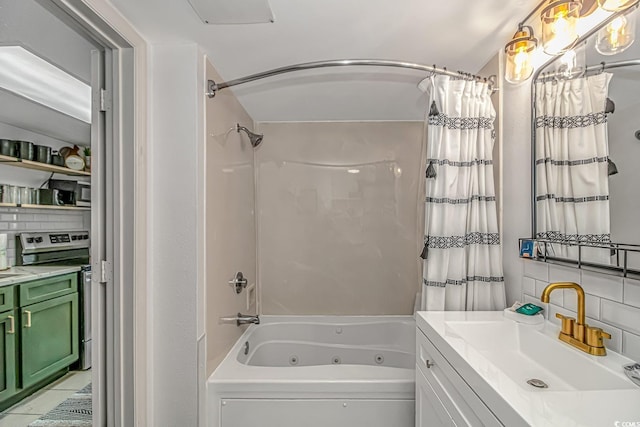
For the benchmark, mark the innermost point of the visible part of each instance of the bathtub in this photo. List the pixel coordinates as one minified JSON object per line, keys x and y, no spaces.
{"x":317,"y":371}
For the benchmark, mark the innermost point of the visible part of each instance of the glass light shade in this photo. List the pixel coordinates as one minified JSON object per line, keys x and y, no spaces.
{"x":616,"y":36}
{"x":614,"y":5}
{"x":518,"y":54}
{"x":559,"y":29}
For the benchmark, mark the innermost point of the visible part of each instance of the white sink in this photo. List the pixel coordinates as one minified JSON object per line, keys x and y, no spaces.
{"x":524,"y":352}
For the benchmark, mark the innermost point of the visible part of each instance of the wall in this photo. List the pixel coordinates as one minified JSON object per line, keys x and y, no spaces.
{"x":230,"y":219}
{"x":516,"y":182}
{"x":176,"y":123}
{"x":331,"y":241}
{"x":612,"y":303}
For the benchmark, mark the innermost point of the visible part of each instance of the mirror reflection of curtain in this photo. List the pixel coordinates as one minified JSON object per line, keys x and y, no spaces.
{"x":463,"y":266}
{"x":572,"y":184}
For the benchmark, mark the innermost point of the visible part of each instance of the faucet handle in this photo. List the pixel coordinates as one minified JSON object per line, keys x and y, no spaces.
{"x":595,"y":336}
{"x":567,"y":324}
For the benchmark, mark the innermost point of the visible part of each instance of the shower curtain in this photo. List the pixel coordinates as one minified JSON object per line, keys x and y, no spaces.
{"x":572,"y":183}
{"x":462,"y":250}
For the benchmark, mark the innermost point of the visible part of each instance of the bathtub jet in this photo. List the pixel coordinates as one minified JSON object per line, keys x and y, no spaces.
{"x":254,"y":138}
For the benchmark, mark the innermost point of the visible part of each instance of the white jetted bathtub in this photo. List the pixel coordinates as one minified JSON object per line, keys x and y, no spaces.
{"x":317,"y":371}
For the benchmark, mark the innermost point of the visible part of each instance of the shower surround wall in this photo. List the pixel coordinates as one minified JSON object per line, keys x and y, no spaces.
{"x":339,"y":229}
{"x":230,"y":220}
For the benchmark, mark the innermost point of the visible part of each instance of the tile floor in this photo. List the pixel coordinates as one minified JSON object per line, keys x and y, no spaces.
{"x":44,"y":400}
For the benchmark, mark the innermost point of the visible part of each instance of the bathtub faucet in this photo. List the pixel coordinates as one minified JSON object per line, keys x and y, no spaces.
{"x":241,"y":319}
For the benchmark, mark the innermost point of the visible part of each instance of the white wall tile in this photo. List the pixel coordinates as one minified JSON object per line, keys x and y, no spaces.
{"x":557,"y":297}
{"x":632,"y":292}
{"x":631,"y":346}
{"x":536,"y":270}
{"x":563,"y":274}
{"x":529,"y":286}
{"x":553,"y":309}
{"x":624,"y":316}
{"x":615,"y":343}
{"x":592,"y":303}
{"x":602,"y":285}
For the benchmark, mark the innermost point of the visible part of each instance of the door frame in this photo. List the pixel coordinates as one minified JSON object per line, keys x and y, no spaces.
{"x":119,"y":316}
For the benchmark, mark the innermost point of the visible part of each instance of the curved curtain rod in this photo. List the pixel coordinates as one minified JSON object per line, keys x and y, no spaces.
{"x":214,"y":87}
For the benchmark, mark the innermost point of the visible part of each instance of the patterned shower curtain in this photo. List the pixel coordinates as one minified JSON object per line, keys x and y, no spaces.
{"x":572,"y":153}
{"x":462,"y":250}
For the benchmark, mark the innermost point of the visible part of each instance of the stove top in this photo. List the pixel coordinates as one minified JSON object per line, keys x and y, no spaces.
{"x":50,"y":247}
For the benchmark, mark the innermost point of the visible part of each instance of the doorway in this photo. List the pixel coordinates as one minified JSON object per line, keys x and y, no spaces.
{"x":112,"y":143}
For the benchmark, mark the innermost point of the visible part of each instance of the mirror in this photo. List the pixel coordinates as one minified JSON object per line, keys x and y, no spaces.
{"x":587,"y":151}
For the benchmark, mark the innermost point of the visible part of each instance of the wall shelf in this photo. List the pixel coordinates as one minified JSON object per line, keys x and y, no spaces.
{"x":51,"y":207}
{"x":45,"y":167}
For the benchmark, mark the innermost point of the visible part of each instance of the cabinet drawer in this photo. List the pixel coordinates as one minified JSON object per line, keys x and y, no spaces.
{"x":7,"y":298}
{"x":45,"y":289}
{"x":460,"y":401}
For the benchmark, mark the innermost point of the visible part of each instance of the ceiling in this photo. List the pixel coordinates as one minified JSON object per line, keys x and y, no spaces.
{"x":457,"y":34}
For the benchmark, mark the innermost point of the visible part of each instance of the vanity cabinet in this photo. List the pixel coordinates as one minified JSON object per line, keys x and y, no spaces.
{"x":443,"y":397}
{"x":38,"y":334}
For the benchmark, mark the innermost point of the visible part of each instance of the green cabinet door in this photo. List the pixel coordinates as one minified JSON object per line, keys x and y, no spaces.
{"x":7,"y":354}
{"x":49,"y":337}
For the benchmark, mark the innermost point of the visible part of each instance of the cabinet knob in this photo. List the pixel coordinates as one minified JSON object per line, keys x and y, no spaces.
{"x":28,"y":324}
{"x":429,"y":364}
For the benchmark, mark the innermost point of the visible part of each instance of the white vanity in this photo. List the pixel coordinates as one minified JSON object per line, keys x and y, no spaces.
{"x":473,"y":369}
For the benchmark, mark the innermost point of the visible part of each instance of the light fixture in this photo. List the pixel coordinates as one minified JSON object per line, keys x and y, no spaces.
{"x":353,"y":170}
{"x":31,"y":77}
{"x":616,"y":36}
{"x":559,"y":31}
{"x":614,"y":5}
{"x":518,"y":54}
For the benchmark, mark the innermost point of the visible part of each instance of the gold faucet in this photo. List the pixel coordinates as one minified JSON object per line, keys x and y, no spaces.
{"x":576,"y":332}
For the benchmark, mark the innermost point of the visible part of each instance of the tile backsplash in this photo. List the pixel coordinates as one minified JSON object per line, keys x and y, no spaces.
{"x":16,"y":220}
{"x":612,"y":303}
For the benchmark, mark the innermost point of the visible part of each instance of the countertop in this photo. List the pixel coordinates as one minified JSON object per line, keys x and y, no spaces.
{"x":15,"y":275}
{"x":547,"y":408}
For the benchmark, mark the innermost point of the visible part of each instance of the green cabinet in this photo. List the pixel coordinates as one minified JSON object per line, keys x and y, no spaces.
{"x":49,"y":337}
{"x":38,"y":334}
{"x":7,"y":354}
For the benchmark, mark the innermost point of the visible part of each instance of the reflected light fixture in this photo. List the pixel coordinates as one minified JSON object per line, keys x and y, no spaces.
{"x":614,"y":5}
{"x":559,"y":30}
{"x":572,"y":64}
{"x":31,"y":77}
{"x":616,"y":36}
{"x":518,"y":53}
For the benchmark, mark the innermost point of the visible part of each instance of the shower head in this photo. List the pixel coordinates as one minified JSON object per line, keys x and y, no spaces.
{"x":254,"y":138}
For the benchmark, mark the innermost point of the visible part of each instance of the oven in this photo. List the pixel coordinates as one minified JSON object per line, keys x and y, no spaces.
{"x":63,"y":248}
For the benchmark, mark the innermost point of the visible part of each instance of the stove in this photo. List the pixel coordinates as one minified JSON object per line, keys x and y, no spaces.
{"x":53,"y":248}
{"x":70,"y":248}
